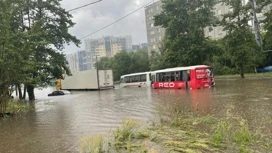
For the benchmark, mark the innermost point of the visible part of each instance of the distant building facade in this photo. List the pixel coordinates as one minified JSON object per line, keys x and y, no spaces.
{"x":221,"y":9}
{"x":83,"y":60}
{"x":72,"y":62}
{"x":95,"y":49}
{"x":79,"y":61}
{"x":155,"y":34}
{"x":140,"y":46}
{"x":106,"y":47}
{"x":217,"y":32}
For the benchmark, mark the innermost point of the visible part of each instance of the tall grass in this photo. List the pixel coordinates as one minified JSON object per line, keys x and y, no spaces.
{"x":186,"y":133}
{"x":17,"y":106}
{"x":92,"y":144}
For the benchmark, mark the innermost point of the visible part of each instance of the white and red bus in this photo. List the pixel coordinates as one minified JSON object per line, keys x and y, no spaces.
{"x":136,"y":80}
{"x":191,"y":77}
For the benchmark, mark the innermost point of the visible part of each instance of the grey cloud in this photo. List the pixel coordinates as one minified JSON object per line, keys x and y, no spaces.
{"x":94,"y":17}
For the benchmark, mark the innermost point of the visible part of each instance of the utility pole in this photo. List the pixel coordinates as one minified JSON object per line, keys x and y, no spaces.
{"x":256,"y":25}
{"x":97,"y":72}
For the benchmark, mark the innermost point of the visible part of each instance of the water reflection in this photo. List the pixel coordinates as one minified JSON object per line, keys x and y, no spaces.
{"x":186,"y":100}
{"x":59,"y":123}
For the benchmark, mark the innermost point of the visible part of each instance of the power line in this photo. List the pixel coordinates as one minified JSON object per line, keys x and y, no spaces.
{"x":118,"y":20}
{"x":84,"y":6}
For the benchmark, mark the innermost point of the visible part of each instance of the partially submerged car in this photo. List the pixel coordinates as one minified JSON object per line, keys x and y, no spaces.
{"x":59,"y":93}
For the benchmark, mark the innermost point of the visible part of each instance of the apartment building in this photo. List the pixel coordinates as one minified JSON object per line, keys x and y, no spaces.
{"x":72,"y":62}
{"x":106,"y":47}
{"x":155,"y":34}
{"x":221,"y":9}
{"x":79,"y":61}
{"x":140,"y":46}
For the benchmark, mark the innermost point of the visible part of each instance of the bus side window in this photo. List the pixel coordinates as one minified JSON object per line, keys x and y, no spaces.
{"x":126,"y":79}
{"x":130,"y":79}
{"x":185,"y":75}
{"x":180,"y":76}
{"x":143,"y":77}
{"x":177,"y":76}
{"x":137,"y":78}
{"x":173,"y":76}
{"x":153,"y":78}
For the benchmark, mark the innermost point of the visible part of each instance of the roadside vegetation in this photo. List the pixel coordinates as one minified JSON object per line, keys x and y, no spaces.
{"x":32,"y":42}
{"x":182,"y":133}
{"x":15,"y":107}
{"x":185,"y":42}
{"x":257,"y":75}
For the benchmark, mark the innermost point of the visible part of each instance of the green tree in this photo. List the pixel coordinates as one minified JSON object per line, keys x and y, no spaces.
{"x":267,"y":26}
{"x":185,"y":42}
{"x":12,"y":49}
{"x":49,"y":24}
{"x":240,"y":41}
{"x":139,"y":61}
{"x":32,"y":36}
{"x":105,"y":63}
{"x":125,"y":63}
{"x":220,"y":59}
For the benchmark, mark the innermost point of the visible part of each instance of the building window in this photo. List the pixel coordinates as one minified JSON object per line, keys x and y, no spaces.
{"x":152,"y":25}
{"x":154,"y":47}
{"x":152,"y":32}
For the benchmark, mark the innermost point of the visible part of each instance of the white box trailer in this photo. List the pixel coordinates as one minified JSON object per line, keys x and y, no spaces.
{"x":88,"y":80}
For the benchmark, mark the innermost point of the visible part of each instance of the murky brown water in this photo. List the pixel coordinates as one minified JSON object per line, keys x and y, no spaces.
{"x":59,"y":123}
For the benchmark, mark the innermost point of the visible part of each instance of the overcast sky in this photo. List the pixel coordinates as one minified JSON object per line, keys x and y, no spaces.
{"x":94,"y":17}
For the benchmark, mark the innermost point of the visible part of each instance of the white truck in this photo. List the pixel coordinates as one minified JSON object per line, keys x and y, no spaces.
{"x":88,"y":80}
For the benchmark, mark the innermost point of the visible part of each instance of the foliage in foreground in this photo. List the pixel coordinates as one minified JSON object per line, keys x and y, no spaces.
{"x":16,"y":107}
{"x":183,"y":133}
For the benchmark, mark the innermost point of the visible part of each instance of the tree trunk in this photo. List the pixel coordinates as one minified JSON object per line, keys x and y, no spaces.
{"x":24,"y":96}
{"x":16,"y":91}
{"x":19,"y":91}
{"x":30,"y":91}
{"x":242,"y":72}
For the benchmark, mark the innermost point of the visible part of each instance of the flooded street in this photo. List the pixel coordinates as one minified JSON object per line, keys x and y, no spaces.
{"x":59,"y":123}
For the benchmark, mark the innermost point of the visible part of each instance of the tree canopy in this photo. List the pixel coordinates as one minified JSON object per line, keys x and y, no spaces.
{"x":32,"y":38}
{"x":126,"y":63}
{"x":184,"y":21}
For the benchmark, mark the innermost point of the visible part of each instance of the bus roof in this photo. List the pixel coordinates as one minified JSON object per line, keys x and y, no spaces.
{"x":133,"y":74}
{"x":181,"y":68}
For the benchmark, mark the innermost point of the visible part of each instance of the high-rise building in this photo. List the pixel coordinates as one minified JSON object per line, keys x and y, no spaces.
{"x":140,"y":46}
{"x":220,"y":10}
{"x":155,"y":34}
{"x":217,"y":32}
{"x":83,"y":60}
{"x":106,"y":47}
{"x":79,"y":61}
{"x":72,"y":62}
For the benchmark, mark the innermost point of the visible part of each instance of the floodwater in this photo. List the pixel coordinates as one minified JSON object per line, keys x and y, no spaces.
{"x":58,"y":124}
